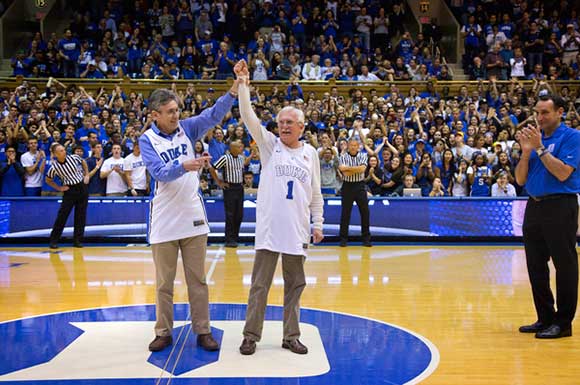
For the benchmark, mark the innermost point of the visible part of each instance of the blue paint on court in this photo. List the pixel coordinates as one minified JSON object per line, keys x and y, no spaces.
{"x":192,"y":358}
{"x":359,"y":350}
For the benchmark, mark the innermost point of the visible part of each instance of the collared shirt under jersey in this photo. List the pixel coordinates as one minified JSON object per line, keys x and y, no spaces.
{"x":193,"y":128}
{"x":563,"y":144}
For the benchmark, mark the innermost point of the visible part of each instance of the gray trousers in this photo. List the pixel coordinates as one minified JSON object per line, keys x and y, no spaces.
{"x":294,"y":284}
{"x":193,"y":252}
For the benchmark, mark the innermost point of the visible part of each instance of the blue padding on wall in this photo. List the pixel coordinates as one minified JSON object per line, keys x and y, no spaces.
{"x":470,"y":217}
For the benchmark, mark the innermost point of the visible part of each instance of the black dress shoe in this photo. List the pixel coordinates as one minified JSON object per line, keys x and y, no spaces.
{"x":554,"y":331}
{"x":534,"y":328}
{"x":160,"y":343}
{"x":342,"y":244}
{"x":78,"y":245}
{"x":367,"y":244}
{"x":231,"y":244}
{"x":248,"y":347}
{"x":53,"y":246}
{"x":207,"y":342}
{"x":295,"y":346}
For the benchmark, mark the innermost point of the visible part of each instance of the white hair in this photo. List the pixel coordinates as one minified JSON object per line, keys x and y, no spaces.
{"x":289,"y":109}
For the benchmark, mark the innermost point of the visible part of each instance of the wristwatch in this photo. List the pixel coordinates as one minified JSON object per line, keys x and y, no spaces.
{"x":541,"y":151}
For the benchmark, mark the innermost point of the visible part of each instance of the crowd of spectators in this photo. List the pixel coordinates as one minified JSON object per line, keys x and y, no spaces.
{"x":519,"y":39}
{"x":315,"y":40}
{"x":445,"y":144}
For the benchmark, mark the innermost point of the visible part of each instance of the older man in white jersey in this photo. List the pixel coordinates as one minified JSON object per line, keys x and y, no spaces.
{"x":178,"y":220}
{"x":288,"y":195}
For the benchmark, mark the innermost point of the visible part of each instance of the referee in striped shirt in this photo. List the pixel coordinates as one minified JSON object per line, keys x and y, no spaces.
{"x":76,"y":194}
{"x":352,"y":165}
{"x":232,"y":166}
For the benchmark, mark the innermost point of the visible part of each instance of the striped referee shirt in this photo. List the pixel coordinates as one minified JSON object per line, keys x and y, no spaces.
{"x":360,"y":159}
{"x":233,"y":168}
{"x":70,"y":172}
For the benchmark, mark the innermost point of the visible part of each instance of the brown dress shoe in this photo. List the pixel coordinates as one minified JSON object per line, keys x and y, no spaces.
{"x":248,"y":347}
{"x":295,"y":346}
{"x":160,"y":343}
{"x":207,"y":342}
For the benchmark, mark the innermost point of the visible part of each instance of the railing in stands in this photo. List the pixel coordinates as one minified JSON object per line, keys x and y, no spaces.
{"x":318,"y":87}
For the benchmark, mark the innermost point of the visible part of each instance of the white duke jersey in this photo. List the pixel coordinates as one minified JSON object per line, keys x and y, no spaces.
{"x":177,"y":210}
{"x":285,"y":194}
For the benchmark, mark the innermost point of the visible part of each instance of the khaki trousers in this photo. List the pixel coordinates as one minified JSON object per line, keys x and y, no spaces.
{"x":294,"y":284}
{"x":193,"y":252}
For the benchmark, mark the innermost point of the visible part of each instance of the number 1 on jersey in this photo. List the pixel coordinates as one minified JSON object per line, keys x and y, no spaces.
{"x":290,"y":188}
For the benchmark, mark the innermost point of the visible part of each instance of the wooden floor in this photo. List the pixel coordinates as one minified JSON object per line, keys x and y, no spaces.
{"x":468,"y":301}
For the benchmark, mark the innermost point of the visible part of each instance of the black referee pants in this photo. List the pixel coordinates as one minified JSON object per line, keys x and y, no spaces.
{"x":549,"y":230}
{"x":354,"y":192}
{"x":76,"y":196}
{"x":234,"y":208}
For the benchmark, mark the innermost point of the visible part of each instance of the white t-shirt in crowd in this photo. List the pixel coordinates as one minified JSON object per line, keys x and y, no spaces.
{"x":34,"y":180}
{"x":115,"y":182}
{"x":518,"y":67}
{"x":138,"y":170}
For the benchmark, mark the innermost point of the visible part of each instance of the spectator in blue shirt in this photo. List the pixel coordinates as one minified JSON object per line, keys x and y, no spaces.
{"x":97,"y":185}
{"x":19,"y":65}
{"x":207,"y":44}
{"x":187,"y":72}
{"x":216,"y":145}
{"x":507,"y":27}
{"x":225,"y":61}
{"x":299,"y":22}
{"x":329,"y":25}
{"x":92,"y":72}
{"x":69,"y":49}
{"x":12,"y":173}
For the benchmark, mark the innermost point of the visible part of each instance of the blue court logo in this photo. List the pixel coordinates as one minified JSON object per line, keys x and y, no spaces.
{"x":109,"y":346}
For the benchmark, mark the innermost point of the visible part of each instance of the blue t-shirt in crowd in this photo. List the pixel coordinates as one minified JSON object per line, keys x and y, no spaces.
{"x":299,"y":28}
{"x":3,"y":152}
{"x":224,"y":65}
{"x":96,"y":184}
{"x":480,"y":188}
{"x":12,"y":183}
{"x":70,"y":47}
{"x":508,"y":29}
{"x":216,"y":149}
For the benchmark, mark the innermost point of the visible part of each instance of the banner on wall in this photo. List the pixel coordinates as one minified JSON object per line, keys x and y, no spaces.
{"x":398,"y":217}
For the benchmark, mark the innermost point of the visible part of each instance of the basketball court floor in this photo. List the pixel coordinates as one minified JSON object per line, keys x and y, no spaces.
{"x":396,"y":314}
